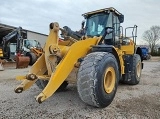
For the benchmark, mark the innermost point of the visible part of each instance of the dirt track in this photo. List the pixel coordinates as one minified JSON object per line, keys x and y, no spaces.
{"x":140,"y":101}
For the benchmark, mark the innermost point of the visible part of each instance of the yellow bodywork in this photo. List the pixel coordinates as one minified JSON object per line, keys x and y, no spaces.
{"x":1,"y":53}
{"x":109,"y":80}
{"x":36,"y":51}
{"x":48,"y":67}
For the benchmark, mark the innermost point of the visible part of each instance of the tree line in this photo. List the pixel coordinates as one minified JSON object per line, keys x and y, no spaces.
{"x":152,"y":37}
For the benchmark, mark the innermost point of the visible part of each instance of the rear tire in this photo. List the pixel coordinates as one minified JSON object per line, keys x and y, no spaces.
{"x":32,"y":57}
{"x":135,"y":71}
{"x":42,"y":84}
{"x":98,"y":77}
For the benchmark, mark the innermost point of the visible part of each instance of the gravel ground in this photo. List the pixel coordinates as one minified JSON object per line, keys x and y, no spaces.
{"x":131,"y":102}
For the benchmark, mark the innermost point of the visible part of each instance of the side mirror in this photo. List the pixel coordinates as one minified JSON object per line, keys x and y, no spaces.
{"x":109,"y":30}
{"x":83,"y":23}
{"x":121,"y":18}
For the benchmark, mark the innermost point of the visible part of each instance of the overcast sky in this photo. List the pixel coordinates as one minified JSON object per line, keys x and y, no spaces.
{"x":36,"y":15}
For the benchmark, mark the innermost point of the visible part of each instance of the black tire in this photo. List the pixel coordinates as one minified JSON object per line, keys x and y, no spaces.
{"x":62,"y":87}
{"x":135,"y":71}
{"x":92,"y":77}
{"x":42,"y":84}
{"x":32,"y":57}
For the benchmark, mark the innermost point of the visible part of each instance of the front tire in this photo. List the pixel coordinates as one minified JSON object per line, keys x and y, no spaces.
{"x":98,"y":78}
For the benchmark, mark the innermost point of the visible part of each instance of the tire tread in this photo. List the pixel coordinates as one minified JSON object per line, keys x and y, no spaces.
{"x":87,"y":77}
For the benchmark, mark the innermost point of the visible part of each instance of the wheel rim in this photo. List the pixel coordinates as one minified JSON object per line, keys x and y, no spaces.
{"x":109,"y":80}
{"x":138,"y":67}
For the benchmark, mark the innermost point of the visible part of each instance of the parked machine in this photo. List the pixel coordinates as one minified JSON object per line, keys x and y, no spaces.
{"x":5,"y":56}
{"x":5,"y":45}
{"x":145,"y":53}
{"x":32,"y":49}
{"x":23,"y":48}
{"x":104,"y":57}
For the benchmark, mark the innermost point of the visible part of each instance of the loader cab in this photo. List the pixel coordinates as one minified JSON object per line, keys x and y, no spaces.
{"x":98,"y":21}
{"x":31,"y":44}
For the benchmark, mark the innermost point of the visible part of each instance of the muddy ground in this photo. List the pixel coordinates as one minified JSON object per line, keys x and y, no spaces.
{"x":131,"y":102}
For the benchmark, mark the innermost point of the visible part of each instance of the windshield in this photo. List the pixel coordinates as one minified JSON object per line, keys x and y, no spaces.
{"x":13,"y":47}
{"x":96,"y":23}
{"x":31,"y":43}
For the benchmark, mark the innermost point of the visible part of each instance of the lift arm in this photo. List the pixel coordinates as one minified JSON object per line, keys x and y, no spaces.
{"x":6,"y":39}
{"x":47,"y":62}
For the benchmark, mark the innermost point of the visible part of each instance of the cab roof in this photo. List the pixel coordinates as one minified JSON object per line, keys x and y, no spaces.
{"x":102,"y":10}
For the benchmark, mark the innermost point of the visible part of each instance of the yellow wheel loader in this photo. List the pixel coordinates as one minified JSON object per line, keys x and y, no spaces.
{"x":103,"y":55}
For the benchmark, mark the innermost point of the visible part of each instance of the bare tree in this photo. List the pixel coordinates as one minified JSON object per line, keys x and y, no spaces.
{"x":152,"y":36}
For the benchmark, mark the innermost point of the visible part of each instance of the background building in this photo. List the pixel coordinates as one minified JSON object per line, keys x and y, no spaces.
{"x":27,"y":34}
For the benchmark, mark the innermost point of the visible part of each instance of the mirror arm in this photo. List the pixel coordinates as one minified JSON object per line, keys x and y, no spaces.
{"x":106,"y":32}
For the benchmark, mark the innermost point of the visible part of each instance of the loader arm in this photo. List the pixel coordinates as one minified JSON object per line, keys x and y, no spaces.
{"x":69,"y":57}
{"x":63,"y":69}
{"x":38,"y":68}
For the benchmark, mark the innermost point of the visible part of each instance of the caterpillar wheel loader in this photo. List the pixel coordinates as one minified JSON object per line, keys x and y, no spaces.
{"x":104,"y":57}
